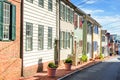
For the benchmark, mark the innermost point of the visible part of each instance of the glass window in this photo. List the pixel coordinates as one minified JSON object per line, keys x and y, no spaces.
{"x":49,"y":38}
{"x":40,"y":37}
{"x":41,"y":3}
{"x":68,"y":39}
{"x":6,"y":21}
{"x":50,"y":5}
{"x":61,"y":39}
{"x":29,"y":33}
{"x":31,"y":1}
{"x":103,"y":38}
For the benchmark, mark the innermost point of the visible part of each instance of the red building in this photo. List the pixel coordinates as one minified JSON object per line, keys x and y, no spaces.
{"x":10,"y":62}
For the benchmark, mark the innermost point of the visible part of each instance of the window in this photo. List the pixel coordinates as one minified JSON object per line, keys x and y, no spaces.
{"x":50,"y":5}
{"x":49,"y":38}
{"x":61,"y":39}
{"x":75,"y":21}
{"x":68,"y":39}
{"x":41,"y":3}
{"x":95,"y":45}
{"x":68,"y":14}
{"x":29,"y":33}
{"x":64,"y":12}
{"x":40,"y":36}
{"x":71,"y":16}
{"x":7,"y":21}
{"x":31,"y":1}
{"x":64,"y":40}
{"x":103,"y":38}
{"x":96,"y":29}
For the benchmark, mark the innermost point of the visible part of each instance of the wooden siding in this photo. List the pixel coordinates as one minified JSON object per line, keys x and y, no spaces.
{"x":39,"y":16}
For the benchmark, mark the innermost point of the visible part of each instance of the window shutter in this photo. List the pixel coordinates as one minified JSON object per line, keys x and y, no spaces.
{"x":13,"y":23}
{"x":1,"y":20}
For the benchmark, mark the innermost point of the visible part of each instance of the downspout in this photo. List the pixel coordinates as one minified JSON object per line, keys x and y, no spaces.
{"x":85,"y":36}
{"x":21,"y":37}
{"x":58,"y":31}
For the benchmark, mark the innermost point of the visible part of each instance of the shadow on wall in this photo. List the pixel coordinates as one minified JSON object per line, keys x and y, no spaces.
{"x":40,"y":65}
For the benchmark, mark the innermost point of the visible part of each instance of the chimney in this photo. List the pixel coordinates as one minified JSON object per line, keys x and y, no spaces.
{"x":89,"y":14}
{"x":68,"y":0}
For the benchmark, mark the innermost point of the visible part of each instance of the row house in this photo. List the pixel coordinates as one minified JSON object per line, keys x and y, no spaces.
{"x":96,"y":39}
{"x":39,"y":34}
{"x":10,"y":60}
{"x":90,"y":23}
{"x":66,"y":29}
{"x":43,"y":31}
{"x":104,"y":40}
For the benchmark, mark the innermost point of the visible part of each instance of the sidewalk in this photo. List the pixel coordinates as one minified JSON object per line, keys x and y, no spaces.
{"x":62,"y":72}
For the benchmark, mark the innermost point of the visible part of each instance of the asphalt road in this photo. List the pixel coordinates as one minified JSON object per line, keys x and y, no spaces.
{"x":107,"y":70}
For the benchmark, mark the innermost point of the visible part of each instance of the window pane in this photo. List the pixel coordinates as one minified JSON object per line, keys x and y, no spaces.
{"x":49,"y":37}
{"x":41,"y":3}
{"x":50,"y":5}
{"x":31,"y":1}
{"x":40,"y":36}
{"x":29,"y":32}
{"x":6,"y":21}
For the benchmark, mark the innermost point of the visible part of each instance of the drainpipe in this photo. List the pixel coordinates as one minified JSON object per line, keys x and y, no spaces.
{"x":85,"y":36}
{"x":58,"y":30}
{"x":21,"y":36}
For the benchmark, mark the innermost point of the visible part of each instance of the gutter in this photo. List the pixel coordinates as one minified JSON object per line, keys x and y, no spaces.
{"x":21,"y":36}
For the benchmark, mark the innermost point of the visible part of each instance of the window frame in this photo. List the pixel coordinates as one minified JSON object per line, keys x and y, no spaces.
{"x":6,"y":20}
{"x":40,"y":38}
{"x":28,"y":24}
{"x":41,"y":3}
{"x":31,"y":1}
{"x":50,"y":38}
{"x":50,"y":5}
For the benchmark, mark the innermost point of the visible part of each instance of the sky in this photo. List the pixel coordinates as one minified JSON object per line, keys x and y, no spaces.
{"x":106,"y":12}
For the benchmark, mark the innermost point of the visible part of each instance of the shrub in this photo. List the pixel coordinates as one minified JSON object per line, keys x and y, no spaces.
{"x":84,"y":58}
{"x":101,"y":56}
{"x":52,"y":65}
{"x":68,"y":60}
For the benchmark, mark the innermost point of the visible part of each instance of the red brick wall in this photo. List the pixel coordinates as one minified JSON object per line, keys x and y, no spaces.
{"x":10,"y":62}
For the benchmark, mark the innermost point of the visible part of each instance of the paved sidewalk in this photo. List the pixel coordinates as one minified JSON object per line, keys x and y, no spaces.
{"x":61,"y":71}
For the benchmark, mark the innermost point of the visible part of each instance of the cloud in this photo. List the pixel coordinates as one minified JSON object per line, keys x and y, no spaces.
{"x":90,"y":1}
{"x":92,"y":11}
{"x":111,"y":23}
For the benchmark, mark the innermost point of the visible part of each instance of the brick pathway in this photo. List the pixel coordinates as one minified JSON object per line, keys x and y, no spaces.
{"x":61,"y":71}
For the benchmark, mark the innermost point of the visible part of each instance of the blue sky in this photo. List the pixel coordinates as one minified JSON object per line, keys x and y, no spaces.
{"x":106,"y":12}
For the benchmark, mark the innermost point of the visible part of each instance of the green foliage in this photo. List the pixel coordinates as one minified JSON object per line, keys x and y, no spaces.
{"x":52,"y":65}
{"x":68,"y":60}
{"x":84,"y":58}
{"x":101,"y":56}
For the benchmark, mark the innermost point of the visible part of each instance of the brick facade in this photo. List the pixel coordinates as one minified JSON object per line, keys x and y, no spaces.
{"x":31,"y":70}
{"x":10,"y":62}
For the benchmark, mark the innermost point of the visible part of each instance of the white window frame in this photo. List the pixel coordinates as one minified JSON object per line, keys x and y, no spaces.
{"x":29,"y":30}
{"x":50,"y":37}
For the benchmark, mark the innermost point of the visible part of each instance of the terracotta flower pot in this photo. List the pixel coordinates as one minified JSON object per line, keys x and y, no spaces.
{"x":51,"y":72}
{"x":68,"y":66}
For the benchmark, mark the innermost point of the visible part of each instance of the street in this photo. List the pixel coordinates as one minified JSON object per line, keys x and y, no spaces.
{"x":107,"y":70}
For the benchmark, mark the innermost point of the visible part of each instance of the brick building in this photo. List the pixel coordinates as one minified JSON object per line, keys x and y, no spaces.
{"x":10,"y":62}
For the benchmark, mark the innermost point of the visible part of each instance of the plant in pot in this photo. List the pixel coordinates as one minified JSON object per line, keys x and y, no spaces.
{"x":68,"y":64}
{"x":52,"y":69}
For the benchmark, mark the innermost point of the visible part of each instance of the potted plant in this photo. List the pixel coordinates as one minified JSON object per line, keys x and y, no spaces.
{"x":52,"y":69}
{"x":68,"y":64}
